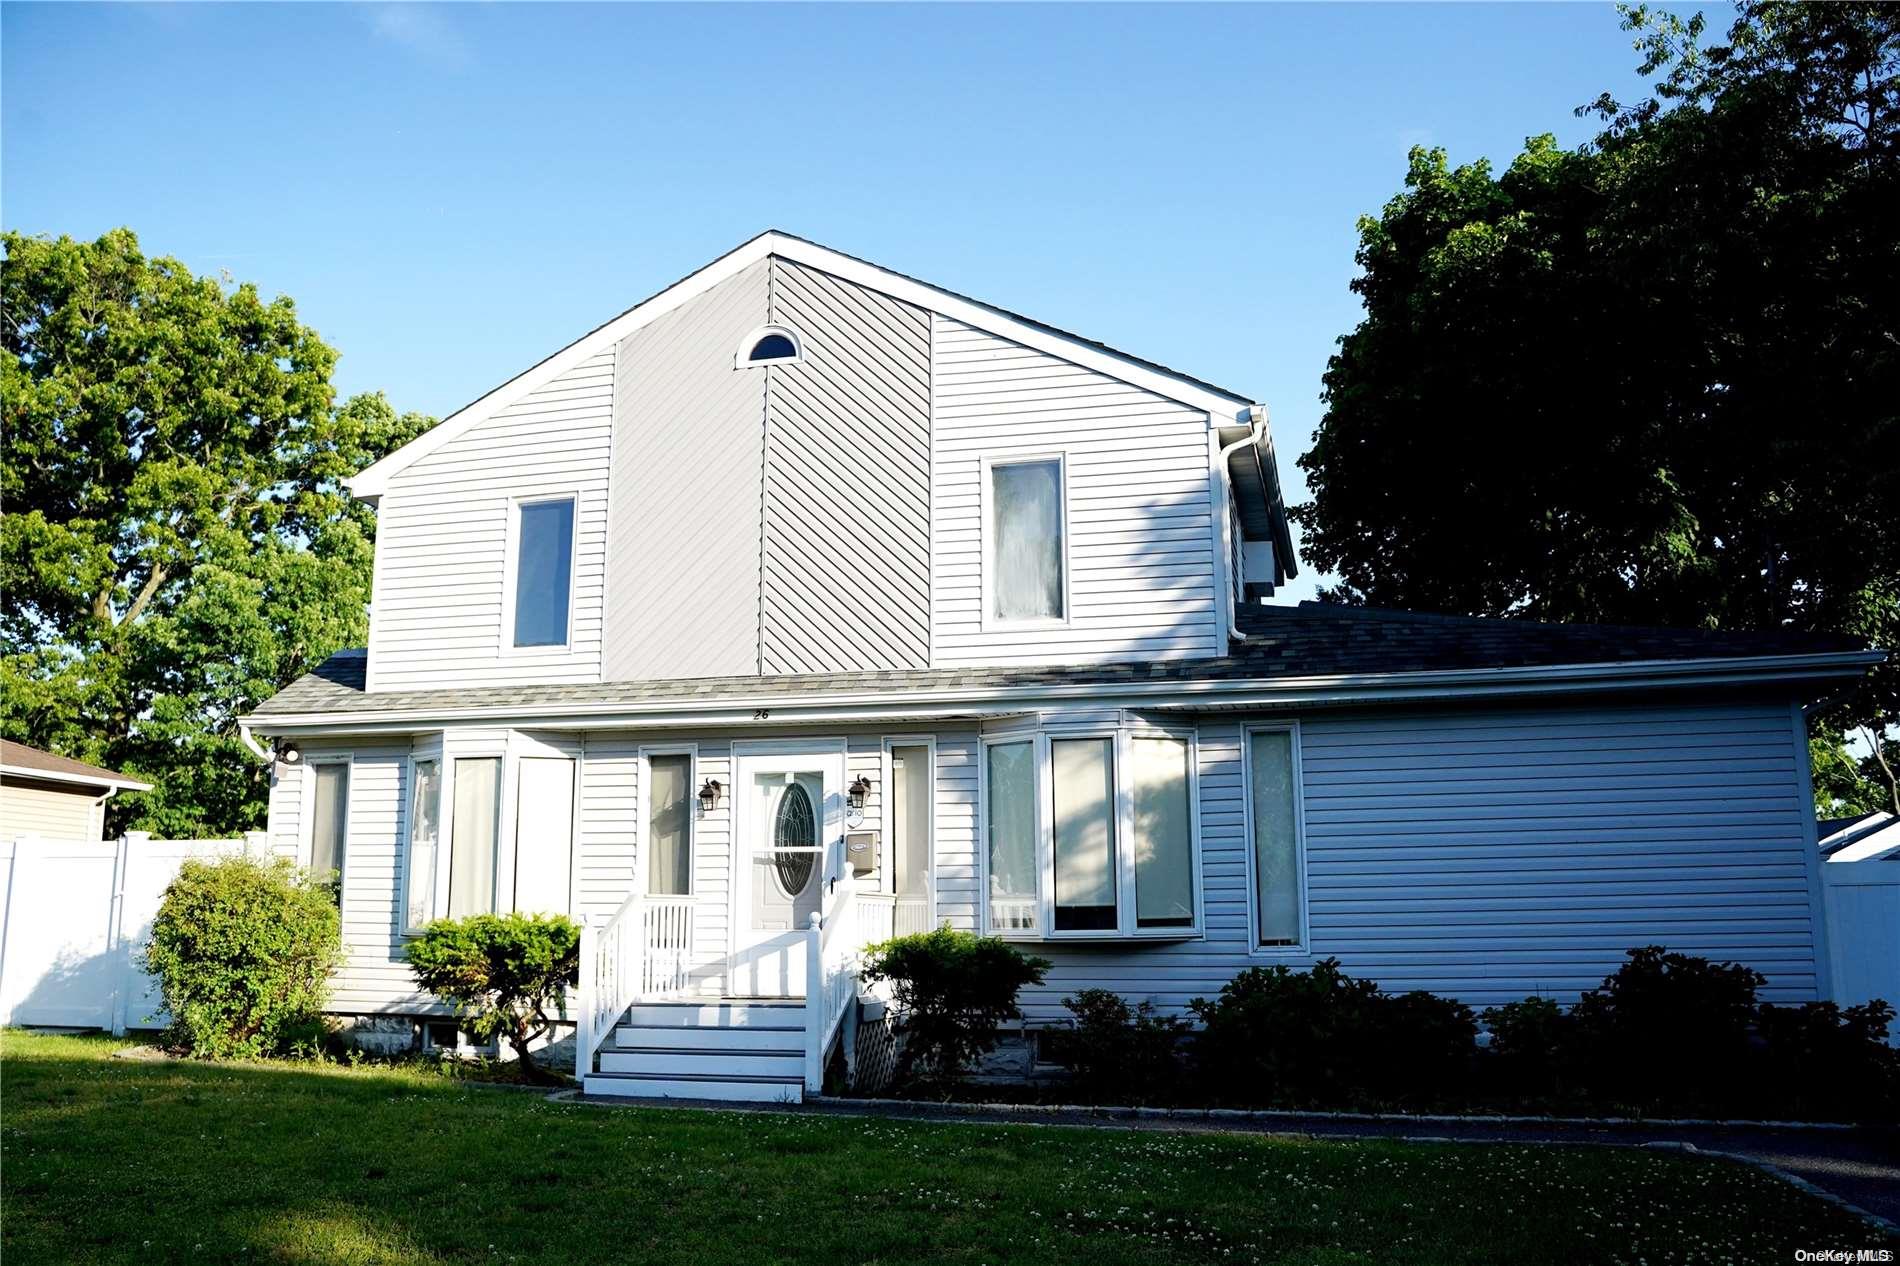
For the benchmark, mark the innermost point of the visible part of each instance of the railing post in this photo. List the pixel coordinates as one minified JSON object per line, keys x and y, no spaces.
{"x":815,"y":1019}
{"x":584,"y":1002}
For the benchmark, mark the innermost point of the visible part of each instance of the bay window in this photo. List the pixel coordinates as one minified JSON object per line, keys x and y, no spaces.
{"x":475,"y":836}
{"x":1091,"y":834}
{"x":425,"y":826}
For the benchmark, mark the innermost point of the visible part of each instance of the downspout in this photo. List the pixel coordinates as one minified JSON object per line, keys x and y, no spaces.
{"x":244,"y":735}
{"x":1255,"y":415}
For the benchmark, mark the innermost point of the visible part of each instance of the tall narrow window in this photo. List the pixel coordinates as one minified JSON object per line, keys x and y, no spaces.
{"x":1164,"y":865}
{"x":1026,"y":541}
{"x":329,"y":820}
{"x":544,"y":834}
{"x":544,"y":567}
{"x":910,"y":821}
{"x":1276,"y":846}
{"x":474,"y":836}
{"x":1012,"y":832}
{"x":425,"y":827}
{"x":1084,"y":774}
{"x":669,"y":825}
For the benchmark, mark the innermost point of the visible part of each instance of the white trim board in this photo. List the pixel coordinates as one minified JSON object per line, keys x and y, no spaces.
{"x":1223,"y":408}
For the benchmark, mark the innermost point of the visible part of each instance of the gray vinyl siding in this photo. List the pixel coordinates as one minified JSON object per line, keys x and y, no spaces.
{"x":442,"y":542}
{"x":683,"y":596}
{"x":1489,"y":855}
{"x":50,"y":811}
{"x":846,"y":576}
{"x":1140,"y":523}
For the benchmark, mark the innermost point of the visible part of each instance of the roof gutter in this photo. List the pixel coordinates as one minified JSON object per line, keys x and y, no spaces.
{"x":1178,"y":695}
{"x":1255,"y":415}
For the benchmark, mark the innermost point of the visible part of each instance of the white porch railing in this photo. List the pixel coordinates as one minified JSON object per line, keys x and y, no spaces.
{"x":643,"y":951}
{"x":831,"y":978}
{"x":882,"y":916}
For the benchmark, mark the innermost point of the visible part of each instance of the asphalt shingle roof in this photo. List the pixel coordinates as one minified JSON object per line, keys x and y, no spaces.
{"x":1309,"y":640}
{"x":27,"y":761}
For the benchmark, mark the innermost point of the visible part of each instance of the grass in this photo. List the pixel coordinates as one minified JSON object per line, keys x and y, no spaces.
{"x":121,"y":1161}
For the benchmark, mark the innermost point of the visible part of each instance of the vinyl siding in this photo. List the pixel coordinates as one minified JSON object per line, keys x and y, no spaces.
{"x":442,"y":545}
{"x":846,"y":576}
{"x":1488,"y":855}
{"x":683,"y":593}
{"x":1141,"y":544}
{"x":49,"y":811}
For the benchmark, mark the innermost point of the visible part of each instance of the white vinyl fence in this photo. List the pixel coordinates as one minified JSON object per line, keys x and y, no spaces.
{"x":1862,"y":903}
{"x":74,"y":915}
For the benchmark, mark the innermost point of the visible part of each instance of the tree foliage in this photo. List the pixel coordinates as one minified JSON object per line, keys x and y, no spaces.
{"x":1650,"y":380}
{"x":243,"y":950}
{"x":506,"y":974}
{"x":177,"y":544}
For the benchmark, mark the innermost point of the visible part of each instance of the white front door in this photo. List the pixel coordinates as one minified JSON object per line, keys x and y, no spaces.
{"x":789,"y":826}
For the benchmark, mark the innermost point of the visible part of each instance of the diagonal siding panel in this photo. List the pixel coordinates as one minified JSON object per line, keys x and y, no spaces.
{"x":846,"y":576}
{"x":683,"y":537}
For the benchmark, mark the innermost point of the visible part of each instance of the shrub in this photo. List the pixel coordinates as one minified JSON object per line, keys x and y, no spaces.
{"x":1821,"y":1060}
{"x":952,"y":990}
{"x":1119,"y":1054}
{"x":1532,"y":1043}
{"x":505,"y":974}
{"x":1320,"y":1037}
{"x":1668,"y":1030}
{"x":243,"y":950}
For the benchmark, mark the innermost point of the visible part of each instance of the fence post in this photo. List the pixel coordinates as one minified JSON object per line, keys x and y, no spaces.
{"x":117,"y":949}
{"x":256,"y":844}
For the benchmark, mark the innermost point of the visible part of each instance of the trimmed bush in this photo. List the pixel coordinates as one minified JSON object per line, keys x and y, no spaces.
{"x":506,"y":975}
{"x":242,"y":950}
{"x":1532,"y":1044}
{"x":952,"y":990}
{"x":1122,"y":1054}
{"x":1824,"y":1061}
{"x":1322,"y":1038}
{"x":1668,"y":1031}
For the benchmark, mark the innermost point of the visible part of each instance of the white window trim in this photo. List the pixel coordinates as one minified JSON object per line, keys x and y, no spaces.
{"x":642,"y":800}
{"x":888,"y":863}
{"x":307,"y":806}
{"x":1254,"y":948}
{"x":1120,"y":737}
{"x":985,"y":496}
{"x":409,"y":834}
{"x":504,"y":833}
{"x":512,"y":566}
{"x":741,"y":357}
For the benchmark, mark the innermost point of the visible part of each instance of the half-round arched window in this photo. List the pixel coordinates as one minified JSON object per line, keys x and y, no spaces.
{"x":769,"y":345}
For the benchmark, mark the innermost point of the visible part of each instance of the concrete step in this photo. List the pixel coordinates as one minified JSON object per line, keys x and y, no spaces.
{"x":719,"y":1012}
{"x":710,"y":1037}
{"x":723,"y":1088}
{"x":750,"y":1064}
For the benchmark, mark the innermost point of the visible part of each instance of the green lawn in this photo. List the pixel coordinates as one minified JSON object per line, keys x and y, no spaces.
{"x":114,"y":1160}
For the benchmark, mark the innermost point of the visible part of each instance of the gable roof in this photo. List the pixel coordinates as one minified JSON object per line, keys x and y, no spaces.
{"x":1224,"y":405}
{"x":1313,"y":648}
{"x":20,"y":761}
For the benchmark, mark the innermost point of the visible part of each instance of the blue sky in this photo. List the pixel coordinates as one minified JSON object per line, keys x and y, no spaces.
{"x":450,"y":192}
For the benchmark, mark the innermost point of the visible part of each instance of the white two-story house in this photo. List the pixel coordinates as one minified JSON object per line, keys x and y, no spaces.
{"x":807,"y":602}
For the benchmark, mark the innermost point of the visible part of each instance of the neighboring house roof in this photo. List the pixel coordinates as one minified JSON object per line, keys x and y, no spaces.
{"x":17,"y":760}
{"x":1171,"y":383}
{"x":1293,"y":654}
{"x":1864,"y":837}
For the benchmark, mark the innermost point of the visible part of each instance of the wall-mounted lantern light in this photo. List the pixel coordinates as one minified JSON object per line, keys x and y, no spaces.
{"x":856,"y":793}
{"x":289,"y":753}
{"x":709,"y":795}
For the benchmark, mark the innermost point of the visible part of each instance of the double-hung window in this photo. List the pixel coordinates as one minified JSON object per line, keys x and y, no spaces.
{"x":462,"y":875}
{"x":1091,"y":834}
{"x":329,"y":819}
{"x":542,"y":577}
{"x":1026,"y":541}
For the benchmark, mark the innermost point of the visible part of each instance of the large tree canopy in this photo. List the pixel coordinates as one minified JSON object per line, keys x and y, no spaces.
{"x":176,"y":543}
{"x":1653,"y":379}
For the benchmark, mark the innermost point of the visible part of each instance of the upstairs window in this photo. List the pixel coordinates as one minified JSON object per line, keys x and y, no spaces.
{"x":1026,"y":541}
{"x":543,"y":572}
{"x":769,"y":345}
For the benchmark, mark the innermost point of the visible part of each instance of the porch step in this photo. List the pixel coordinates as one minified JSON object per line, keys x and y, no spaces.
{"x":718,"y":1012}
{"x":724,"y":1087}
{"x":668,"y":1062}
{"x":710,"y":1037}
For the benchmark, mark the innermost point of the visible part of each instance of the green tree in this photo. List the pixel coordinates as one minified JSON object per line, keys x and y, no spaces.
{"x":176,"y":544}
{"x":507,"y":975}
{"x":1650,"y":380}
